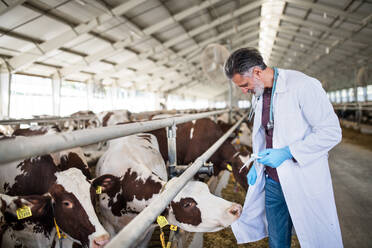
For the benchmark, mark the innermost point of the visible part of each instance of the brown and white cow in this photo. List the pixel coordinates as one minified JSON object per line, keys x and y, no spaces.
{"x":110,"y":118}
{"x":194,"y":138}
{"x":133,"y":173}
{"x":62,"y":192}
{"x":6,"y":131}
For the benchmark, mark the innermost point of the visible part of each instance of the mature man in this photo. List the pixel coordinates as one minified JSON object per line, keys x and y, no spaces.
{"x":290,"y":184}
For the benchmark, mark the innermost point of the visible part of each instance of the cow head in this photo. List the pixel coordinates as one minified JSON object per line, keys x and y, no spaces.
{"x":232,"y":161}
{"x":10,"y":204}
{"x":73,"y":209}
{"x":244,"y":135}
{"x":195,"y":209}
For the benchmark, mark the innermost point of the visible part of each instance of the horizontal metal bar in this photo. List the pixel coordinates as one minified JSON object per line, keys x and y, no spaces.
{"x":45,"y":120}
{"x":139,"y":224}
{"x":26,"y":147}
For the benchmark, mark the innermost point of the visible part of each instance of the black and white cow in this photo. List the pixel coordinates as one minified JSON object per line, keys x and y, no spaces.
{"x":57,"y":187}
{"x":133,"y":173}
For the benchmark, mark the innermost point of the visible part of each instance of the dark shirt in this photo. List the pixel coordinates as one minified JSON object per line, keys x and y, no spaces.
{"x":268,"y":132}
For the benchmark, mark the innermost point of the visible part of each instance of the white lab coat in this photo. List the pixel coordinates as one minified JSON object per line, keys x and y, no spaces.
{"x":305,"y":121}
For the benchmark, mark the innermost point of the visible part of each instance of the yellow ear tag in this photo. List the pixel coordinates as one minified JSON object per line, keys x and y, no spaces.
{"x":173,"y":228}
{"x":162,"y":221}
{"x":229,"y":168}
{"x":23,"y":212}
{"x":240,"y":134}
{"x":99,"y":190}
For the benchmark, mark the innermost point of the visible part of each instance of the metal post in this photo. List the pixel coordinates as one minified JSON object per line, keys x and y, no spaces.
{"x":90,"y":89}
{"x":5,"y":84}
{"x":56,"y":93}
{"x":172,"y":149}
{"x":230,"y":101}
{"x":43,"y":120}
{"x":141,"y":222}
{"x":356,"y":95}
{"x":365,"y":94}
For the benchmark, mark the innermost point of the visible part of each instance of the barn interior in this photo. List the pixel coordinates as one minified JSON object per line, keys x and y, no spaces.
{"x":77,"y":64}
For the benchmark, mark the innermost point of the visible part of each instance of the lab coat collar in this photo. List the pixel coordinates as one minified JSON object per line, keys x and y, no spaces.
{"x":281,"y":84}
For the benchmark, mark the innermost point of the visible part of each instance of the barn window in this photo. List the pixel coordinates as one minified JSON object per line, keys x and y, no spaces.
{"x":30,"y":96}
{"x":73,"y":97}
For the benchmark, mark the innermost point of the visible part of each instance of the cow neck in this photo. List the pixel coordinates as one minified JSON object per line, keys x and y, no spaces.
{"x":134,"y":186}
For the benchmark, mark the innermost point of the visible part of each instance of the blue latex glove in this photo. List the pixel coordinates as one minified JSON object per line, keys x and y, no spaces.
{"x":252,"y":175}
{"x":274,"y":157}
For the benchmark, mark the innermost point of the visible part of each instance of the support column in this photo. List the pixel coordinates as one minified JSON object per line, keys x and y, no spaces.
{"x":56,"y":93}
{"x":5,"y":86}
{"x":230,"y":101}
{"x":115,"y":96}
{"x":358,"y":111}
{"x":355,"y":86}
{"x":90,"y":88}
{"x":365,"y":93}
{"x":172,"y":149}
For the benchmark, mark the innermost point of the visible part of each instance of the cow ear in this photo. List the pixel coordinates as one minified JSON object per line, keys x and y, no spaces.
{"x":39,"y":204}
{"x":106,"y":183}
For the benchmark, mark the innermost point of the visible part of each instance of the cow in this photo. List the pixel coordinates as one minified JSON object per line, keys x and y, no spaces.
{"x":132,"y":174}
{"x":65,"y":159}
{"x":194,"y":138}
{"x":58,"y":186}
{"x":93,"y":122}
{"x":6,"y":131}
{"x":110,"y":118}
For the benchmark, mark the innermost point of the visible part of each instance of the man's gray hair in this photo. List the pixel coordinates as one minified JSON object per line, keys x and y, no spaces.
{"x":242,"y":61}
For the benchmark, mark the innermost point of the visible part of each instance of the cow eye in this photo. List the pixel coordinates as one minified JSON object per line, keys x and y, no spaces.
{"x":67,"y":204}
{"x":187,"y":204}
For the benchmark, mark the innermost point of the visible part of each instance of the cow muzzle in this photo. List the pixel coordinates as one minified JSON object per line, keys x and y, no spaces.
{"x":101,"y":241}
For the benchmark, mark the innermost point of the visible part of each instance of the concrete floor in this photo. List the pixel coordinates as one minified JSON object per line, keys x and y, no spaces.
{"x":351,"y":169}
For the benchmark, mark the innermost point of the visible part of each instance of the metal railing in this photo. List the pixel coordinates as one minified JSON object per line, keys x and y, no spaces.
{"x":141,"y":222}
{"x":26,"y":147}
{"x":45,"y":120}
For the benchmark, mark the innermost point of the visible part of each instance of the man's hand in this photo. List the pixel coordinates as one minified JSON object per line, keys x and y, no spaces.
{"x":252,"y":175}
{"x":274,"y":157}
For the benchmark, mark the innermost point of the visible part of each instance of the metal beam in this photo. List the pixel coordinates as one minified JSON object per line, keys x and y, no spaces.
{"x":334,"y":46}
{"x":179,"y":16}
{"x":121,"y":66}
{"x":223,"y":35}
{"x":26,"y":147}
{"x":345,"y":36}
{"x":327,"y":9}
{"x":120,"y":45}
{"x":6,"y":6}
{"x":20,"y":61}
{"x":287,"y":42}
{"x":214,"y":23}
{"x":245,"y":38}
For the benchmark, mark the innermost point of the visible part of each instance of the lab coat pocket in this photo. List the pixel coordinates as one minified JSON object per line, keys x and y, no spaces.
{"x":313,"y":179}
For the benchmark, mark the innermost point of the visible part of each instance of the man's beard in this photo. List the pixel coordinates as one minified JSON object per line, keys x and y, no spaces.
{"x":258,"y":87}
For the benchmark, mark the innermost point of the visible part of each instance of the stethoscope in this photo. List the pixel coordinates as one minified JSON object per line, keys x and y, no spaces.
{"x":270,"y":124}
